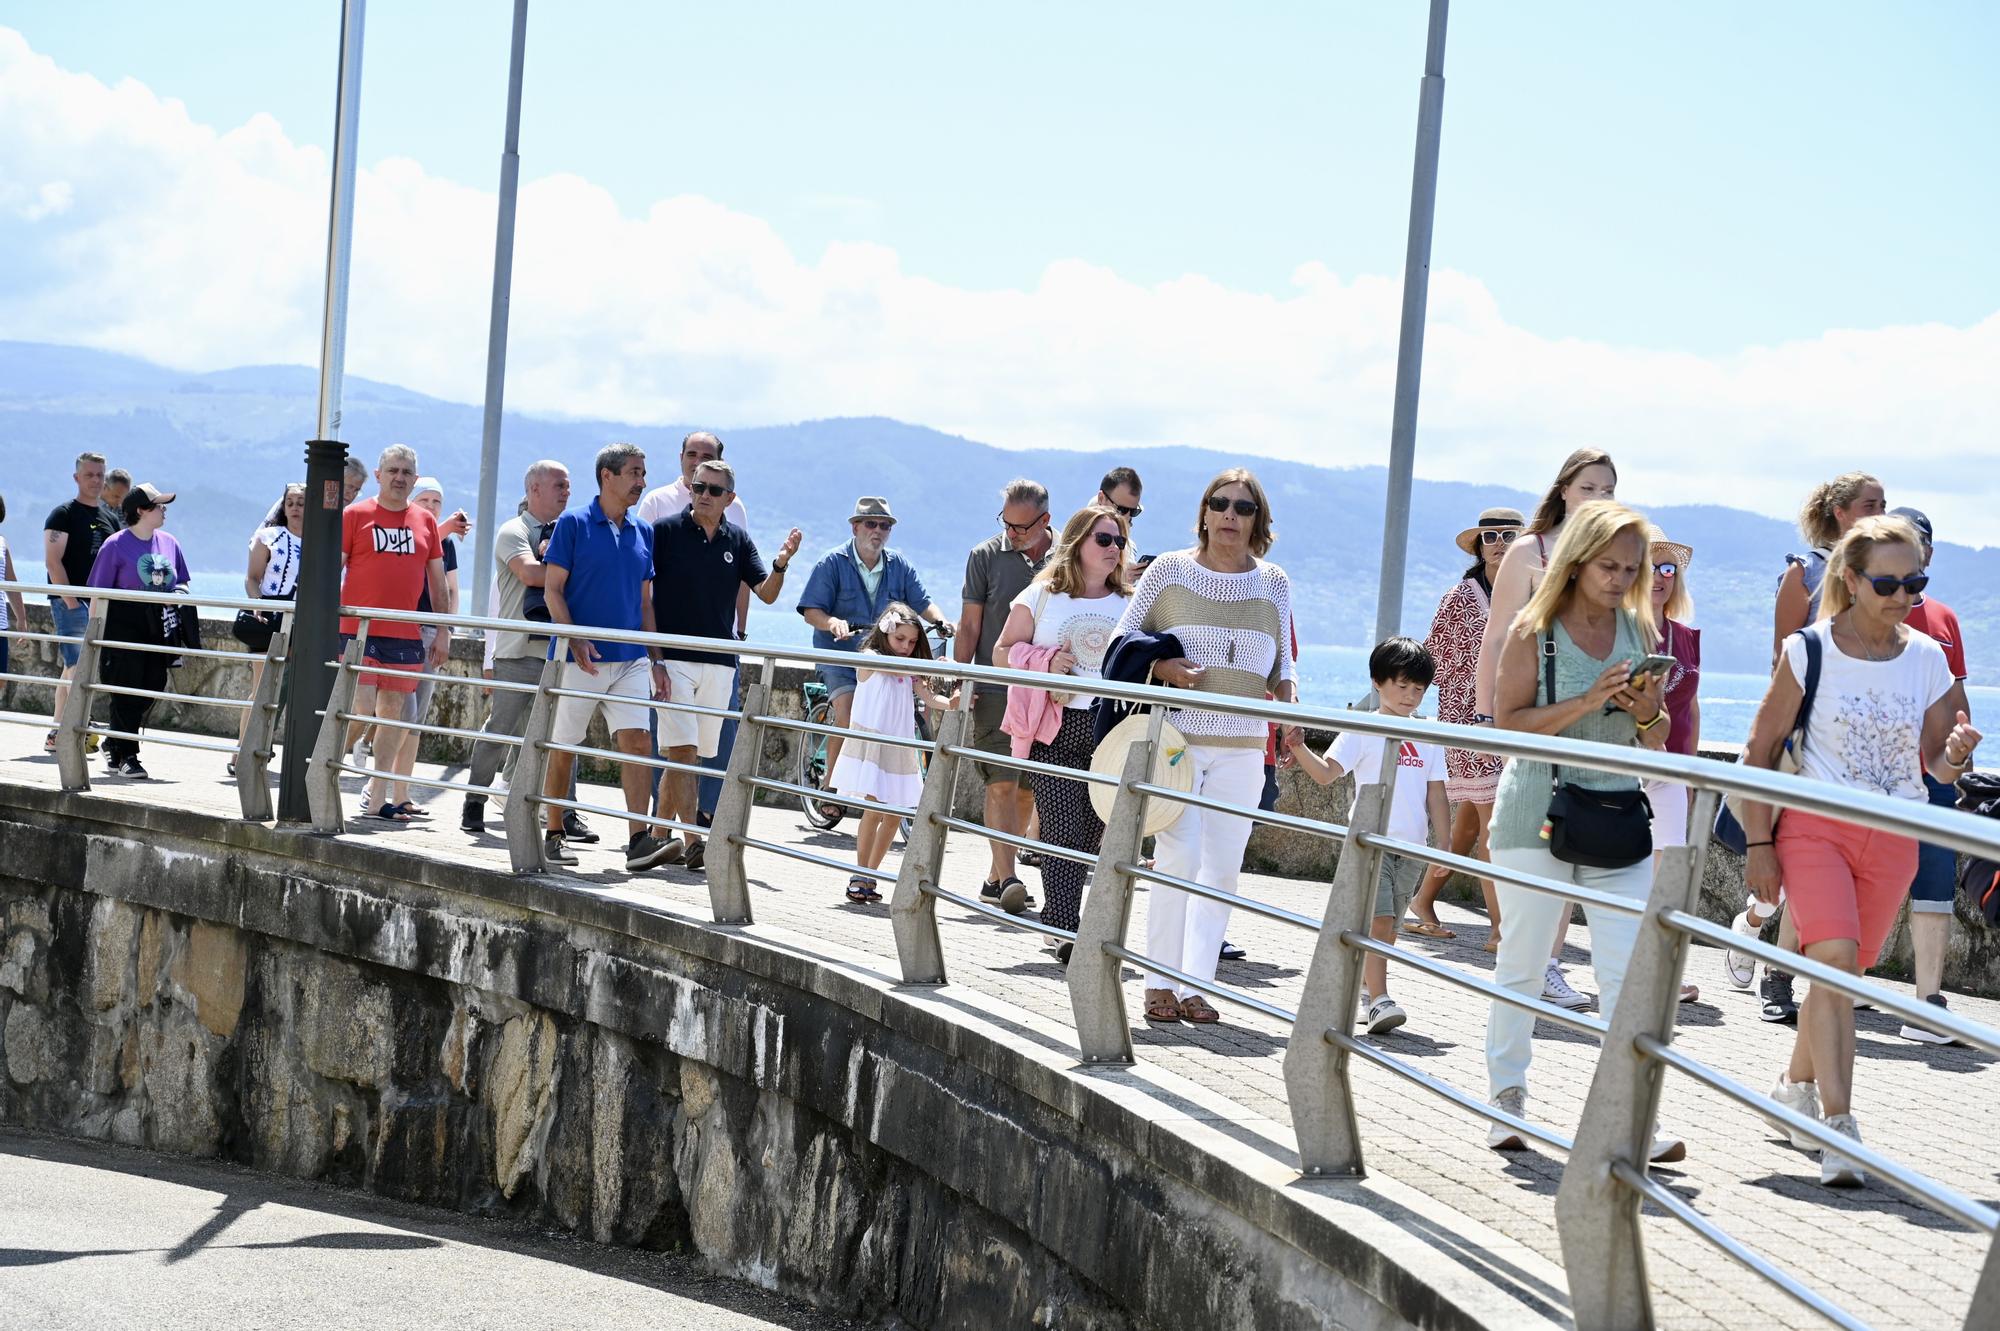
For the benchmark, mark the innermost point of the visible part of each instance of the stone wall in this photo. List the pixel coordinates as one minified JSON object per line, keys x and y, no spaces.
{"x":502,"y":1045}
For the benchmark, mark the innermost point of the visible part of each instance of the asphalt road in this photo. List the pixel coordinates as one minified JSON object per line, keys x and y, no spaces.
{"x":95,"y":1236}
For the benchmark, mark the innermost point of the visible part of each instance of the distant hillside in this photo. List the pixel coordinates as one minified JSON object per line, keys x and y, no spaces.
{"x":229,"y":440}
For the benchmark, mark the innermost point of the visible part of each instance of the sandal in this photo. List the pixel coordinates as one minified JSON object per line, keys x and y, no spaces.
{"x":861,"y":891}
{"x":414,"y":810}
{"x":1492,"y":944}
{"x":388,"y":813}
{"x":1427,"y":929}
{"x":1162,"y":1008}
{"x":1195,"y":1009}
{"x":1690,"y":993}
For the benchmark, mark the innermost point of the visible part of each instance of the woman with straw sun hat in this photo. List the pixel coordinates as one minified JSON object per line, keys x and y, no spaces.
{"x":1470,"y":777}
{"x":1673,"y":607}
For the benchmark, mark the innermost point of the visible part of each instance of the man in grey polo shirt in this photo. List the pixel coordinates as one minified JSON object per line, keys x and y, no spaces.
{"x":997,"y":571}
{"x":518,"y":546}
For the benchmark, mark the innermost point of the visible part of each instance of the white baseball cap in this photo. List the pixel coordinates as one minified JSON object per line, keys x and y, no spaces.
{"x":425,"y":484}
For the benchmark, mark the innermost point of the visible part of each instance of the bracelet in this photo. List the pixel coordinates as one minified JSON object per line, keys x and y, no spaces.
{"x":1748,"y":844}
{"x":1658,"y":717}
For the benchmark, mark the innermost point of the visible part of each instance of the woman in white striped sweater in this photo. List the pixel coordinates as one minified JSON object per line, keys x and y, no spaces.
{"x":1232,"y":612}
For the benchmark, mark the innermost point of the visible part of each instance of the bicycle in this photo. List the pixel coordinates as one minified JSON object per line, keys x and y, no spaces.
{"x":812,"y":767}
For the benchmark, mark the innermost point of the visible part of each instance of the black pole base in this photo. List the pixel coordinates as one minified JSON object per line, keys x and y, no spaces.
{"x":315,"y":627}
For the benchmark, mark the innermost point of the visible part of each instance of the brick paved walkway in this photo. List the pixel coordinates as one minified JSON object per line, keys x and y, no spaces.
{"x":1886,"y":1259}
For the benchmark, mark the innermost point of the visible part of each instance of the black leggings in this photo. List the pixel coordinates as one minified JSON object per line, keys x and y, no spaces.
{"x":1068,"y":820}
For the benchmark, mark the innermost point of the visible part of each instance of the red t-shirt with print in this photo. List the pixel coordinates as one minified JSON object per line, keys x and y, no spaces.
{"x":389,"y":552}
{"x":1933,"y":617}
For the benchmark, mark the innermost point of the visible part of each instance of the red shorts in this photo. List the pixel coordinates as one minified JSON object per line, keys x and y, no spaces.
{"x":1843,"y":881}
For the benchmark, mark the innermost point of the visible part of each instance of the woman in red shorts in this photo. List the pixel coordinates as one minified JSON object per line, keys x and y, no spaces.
{"x":1882,"y":716}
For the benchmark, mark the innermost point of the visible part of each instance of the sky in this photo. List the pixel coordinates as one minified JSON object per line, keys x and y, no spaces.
{"x":1741,"y":247}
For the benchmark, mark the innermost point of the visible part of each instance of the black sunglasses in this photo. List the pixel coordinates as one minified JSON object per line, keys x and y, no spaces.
{"x":1493,"y":536}
{"x":1129,"y":513}
{"x":1108,"y":539}
{"x":1913,"y":584}
{"x":1667,"y":570}
{"x":876,"y":524}
{"x":698,"y":488}
{"x":1244,"y":507}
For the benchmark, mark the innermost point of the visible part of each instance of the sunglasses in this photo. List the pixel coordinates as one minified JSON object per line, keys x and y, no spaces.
{"x":1244,"y":507}
{"x":1913,"y":584}
{"x":1667,"y":570}
{"x":699,"y":488}
{"x":1105,"y":539}
{"x":1492,"y":536}
{"x":1128,"y":513}
{"x":1019,"y":528}
{"x":876,"y":524}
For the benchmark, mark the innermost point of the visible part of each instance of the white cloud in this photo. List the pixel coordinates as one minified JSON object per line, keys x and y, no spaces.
{"x":130,"y":226}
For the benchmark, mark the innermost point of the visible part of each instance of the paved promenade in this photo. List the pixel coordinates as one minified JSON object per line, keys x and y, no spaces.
{"x":1886,"y":1259}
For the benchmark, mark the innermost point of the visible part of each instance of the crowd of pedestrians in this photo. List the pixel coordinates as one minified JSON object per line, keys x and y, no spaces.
{"x":1576,"y":621}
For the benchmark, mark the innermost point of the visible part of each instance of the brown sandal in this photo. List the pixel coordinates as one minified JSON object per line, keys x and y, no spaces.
{"x":1427,"y":929}
{"x":1161,"y":1007}
{"x":1195,"y":1009}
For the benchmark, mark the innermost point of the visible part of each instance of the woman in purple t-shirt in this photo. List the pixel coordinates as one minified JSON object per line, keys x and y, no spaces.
{"x":141,"y":558}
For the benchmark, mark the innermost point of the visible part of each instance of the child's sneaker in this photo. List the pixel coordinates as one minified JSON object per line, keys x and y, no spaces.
{"x":1385,"y":1015}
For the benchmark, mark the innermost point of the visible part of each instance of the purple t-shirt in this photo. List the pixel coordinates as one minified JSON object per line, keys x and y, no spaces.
{"x":133,"y":564}
{"x":1683,"y":683}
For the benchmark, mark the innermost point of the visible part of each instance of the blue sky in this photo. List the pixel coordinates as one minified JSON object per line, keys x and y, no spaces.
{"x":1697,"y":176}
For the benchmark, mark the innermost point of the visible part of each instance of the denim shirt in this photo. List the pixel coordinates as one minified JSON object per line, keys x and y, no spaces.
{"x":836,"y":588}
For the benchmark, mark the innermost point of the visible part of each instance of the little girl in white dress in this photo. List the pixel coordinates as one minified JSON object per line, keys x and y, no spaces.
{"x":870,"y":769}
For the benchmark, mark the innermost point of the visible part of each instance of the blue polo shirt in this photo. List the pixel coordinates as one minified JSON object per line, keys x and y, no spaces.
{"x":608,"y":573}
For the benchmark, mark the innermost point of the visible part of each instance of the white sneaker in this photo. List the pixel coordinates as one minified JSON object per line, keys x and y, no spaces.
{"x":1556,"y":990}
{"x":1740,"y":968}
{"x":1501,"y":1137}
{"x":1667,"y":1150}
{"x":1385,"y":1015}
{"x":1835,"y":1169}
{"x":1925,"y":1034}
{"x":1801,"y":1097}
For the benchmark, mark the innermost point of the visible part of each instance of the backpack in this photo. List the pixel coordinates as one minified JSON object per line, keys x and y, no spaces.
{"x":1979,"y":792}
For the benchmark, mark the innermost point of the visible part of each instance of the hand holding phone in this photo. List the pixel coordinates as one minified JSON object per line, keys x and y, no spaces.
{"x":1656,"y":665}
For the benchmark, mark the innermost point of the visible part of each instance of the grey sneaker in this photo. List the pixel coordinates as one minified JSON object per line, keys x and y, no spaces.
{"x":1801,"y":1097}
{"x":1925,"y":1034}
{"x":554,"y":851}
{"x":1835,"y":1169}
{"x":1556,"y":990}
{"x":645,"y":850}
{"x":1513,"y":1100}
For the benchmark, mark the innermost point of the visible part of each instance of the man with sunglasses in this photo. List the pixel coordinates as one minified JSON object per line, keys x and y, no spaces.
{"x":997,"y":571}
{"x":847,"y":592}
{"x":702,"y":562}
{"x":1120,"y":490}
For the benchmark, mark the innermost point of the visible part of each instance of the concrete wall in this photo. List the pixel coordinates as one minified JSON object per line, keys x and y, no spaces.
{"x":1972,"y":966}
{"x":502,"y":1045}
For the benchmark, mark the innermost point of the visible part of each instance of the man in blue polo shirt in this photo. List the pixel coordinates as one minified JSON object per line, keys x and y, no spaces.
{"x":701,"y":562}
{"x":850,"y":587}
{"x":598,"y":573}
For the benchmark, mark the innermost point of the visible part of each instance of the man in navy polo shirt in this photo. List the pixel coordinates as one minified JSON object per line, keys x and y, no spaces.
{"x":701,"y":562}
{"x":598,"y":573}
{"x":850,"y":587}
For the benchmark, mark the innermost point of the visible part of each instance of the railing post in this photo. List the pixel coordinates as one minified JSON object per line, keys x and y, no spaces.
{"x":74,"y":723}
{"x":1597,"y":1218}
{"x":1317,"y":1078}
{"x":1096,"y":992}
{"x":523,"y":812}
{"x":728,"y":888}
{"x":253,"y":754}
{"x":1985,"y":1312}
{"x":330,"y":748}
{"x":912,"y":910}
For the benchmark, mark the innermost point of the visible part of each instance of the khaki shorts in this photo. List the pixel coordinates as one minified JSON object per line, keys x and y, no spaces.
{"x":1397,"y":885}
{"x":705,"y":684}
{"x":988,"y":711}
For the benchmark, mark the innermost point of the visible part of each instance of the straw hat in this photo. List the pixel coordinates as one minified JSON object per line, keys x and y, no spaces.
{"x":1682,"y":555}
{"x":1468,"y":540}
{"x":1171,"y":768}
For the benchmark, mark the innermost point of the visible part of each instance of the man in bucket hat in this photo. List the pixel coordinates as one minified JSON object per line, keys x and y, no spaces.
{"x":847,"y":591}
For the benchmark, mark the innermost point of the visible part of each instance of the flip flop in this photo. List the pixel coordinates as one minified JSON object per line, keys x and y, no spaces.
{"x":1490,"y":945}
{"x":390,"y":813}
{"x":1426,"y":929}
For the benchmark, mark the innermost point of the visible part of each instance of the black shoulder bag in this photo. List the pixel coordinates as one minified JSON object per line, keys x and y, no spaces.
{"x":1597,"y":829}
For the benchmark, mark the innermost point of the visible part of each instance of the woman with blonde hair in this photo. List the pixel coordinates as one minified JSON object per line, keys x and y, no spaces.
{"x":1062,"y":623}
{"x":1584,"y":631}
{"x":1586,"y":476}
{"x":1883,"y":715}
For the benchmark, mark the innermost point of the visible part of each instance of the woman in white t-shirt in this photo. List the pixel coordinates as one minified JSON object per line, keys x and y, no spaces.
{"x":273,"y":574}
{"x":1881,"y":717}
{"x":1072,"y":607}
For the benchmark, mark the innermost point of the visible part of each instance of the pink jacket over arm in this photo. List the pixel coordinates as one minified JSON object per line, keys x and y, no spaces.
{"x":1031,"y":714}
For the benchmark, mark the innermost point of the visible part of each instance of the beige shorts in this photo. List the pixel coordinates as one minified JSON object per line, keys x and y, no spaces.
{"x":705,"y":684}
{"x":620,"y":688}
{"x":988,"y":711}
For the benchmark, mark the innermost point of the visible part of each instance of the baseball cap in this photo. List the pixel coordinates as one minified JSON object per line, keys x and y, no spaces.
{"x":1915,"y":517}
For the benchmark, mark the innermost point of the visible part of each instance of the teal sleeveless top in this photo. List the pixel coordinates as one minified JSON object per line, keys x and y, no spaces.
{"x":1523,"y":798}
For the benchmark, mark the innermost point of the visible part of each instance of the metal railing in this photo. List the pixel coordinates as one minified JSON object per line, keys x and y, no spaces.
{"x":1605,"y":1178}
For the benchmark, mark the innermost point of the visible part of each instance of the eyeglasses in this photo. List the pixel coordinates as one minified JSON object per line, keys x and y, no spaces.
{"x":1244,"y":507}
{"x":1106,"y":539}
{"x":699,"y":488}
{"x":1913,"y":584}
{"x":1492,"y":536}
{"x":1129,"y":513}
{"x":1020,"y":528}
{"x":876,"y":524}
{"x":1667,"y":570}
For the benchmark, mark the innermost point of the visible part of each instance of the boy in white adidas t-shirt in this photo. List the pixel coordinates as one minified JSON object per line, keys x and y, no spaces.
{"x":1402,"y":670}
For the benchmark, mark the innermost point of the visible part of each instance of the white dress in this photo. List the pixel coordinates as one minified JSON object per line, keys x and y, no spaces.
{"x":883,"y":705}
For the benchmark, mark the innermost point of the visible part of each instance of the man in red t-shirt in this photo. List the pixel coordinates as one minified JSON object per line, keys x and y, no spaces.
{"x":1936,"y":883}
{"x":389,"y":553}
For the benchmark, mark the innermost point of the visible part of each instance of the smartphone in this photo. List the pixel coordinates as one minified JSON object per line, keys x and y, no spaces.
{"x":1653,"y":665}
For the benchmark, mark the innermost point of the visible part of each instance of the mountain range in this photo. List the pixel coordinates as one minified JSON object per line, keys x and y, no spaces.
{"x":227,"y":441}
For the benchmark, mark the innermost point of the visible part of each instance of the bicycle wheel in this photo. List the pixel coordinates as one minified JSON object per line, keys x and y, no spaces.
{"x":812,"y":771}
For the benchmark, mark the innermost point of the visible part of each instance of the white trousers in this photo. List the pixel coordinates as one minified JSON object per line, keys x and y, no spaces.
{"x":1528,"y":924}
{"x":1182,"y":930}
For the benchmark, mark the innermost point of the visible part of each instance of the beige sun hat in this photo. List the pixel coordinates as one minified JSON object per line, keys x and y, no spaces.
{"x":1468,"y":540}
{"x":1172,"y":768}
{"x":1682,"y":555}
